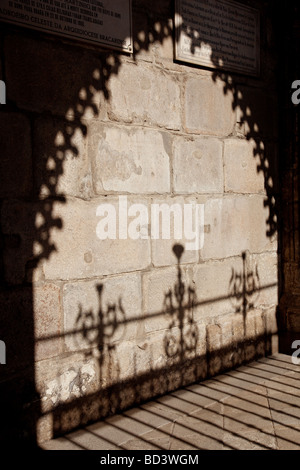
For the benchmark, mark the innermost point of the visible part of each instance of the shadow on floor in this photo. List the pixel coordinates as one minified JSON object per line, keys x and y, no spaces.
{"x":254,"y":407}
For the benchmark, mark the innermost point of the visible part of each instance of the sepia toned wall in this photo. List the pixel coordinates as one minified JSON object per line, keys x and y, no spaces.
{"x":92,"y":326}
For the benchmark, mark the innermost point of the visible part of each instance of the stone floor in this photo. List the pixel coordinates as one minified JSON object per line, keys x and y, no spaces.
{"x":253,"y":407}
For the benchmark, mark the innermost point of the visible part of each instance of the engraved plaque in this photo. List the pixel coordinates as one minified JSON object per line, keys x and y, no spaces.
{"x":96,"y":21}
{"x":218,"y":34}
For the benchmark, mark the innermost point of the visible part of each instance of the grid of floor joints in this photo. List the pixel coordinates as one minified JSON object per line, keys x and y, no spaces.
{"x":256,"y":406}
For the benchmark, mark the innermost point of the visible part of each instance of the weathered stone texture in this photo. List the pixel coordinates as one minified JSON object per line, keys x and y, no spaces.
{"x":208,"y":107}
{"x":235,"y":224}
{"x":214,"y":286}
{"x":62,"y":165}
{"x":161,"y":295}
{"x":198,"y":166}
{"x":242,"y":165}
{"x":130,"y":160}
{"x":80,"y":254}
{"x":75,"y":252}
{"x":70,"y":378}
{"x":147,"y":96}
{"x":47,"y":321}
{"x":101,"y":313}
{"x":267,"y":267}
{"x":172,"y":215}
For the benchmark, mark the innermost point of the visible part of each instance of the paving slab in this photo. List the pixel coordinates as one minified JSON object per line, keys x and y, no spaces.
{"x":254,"y":407}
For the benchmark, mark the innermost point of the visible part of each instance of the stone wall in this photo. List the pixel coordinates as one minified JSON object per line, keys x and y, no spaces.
{"x":92,"y":326}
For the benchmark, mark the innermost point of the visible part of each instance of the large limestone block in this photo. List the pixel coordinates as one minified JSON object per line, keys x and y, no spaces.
{"x":234,"y":225}
{"x":101,"y":313}
{"x":144,"y":95}
{"x":175,"y":221}
{"x":80,"y":253}
{"x":208,"y":107}
{"x":242,"y":165}
{"x":168,"y":298}
{"x":47,"y":321}
{"x":129,"y":160}
{"x":267,"y":267}
{"x":237,"y":284}
{"x":214,"y":285}
{"x":198,"y":166}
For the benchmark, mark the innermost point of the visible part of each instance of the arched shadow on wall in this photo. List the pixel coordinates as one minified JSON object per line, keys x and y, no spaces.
{"x":30,"y":221}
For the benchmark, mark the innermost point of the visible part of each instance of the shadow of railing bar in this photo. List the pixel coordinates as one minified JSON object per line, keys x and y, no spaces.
{"x":233,"y":433}
{"x":154,"y":429}
{"x":273,"y":379}
{"x":188,"y":428}
{"x":121,"y":445}
{"x":139,"y":437}
{"x":201,"y":420}
{"x":143,"y":318}
{"x":251,"y":426}
{"x":269,"y":387}
{"x":68,"y":438}
{"x":286,"y":369}
{"x":167,"y":434}
{"x":252,"y":412}
{"x":279,"y":359}
{"x":256,"y":392}
{"x":267,"y":408}
{"x":93,"y":407}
